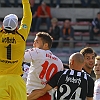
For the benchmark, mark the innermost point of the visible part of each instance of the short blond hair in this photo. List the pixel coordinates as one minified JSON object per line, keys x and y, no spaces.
{"x":78,"y":57}
{"x":54,"y":20}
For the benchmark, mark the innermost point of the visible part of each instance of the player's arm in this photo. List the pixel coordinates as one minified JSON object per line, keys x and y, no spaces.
{"x":52,"y":83}
{"x":26,"y":20}
{"x":39,"y":92}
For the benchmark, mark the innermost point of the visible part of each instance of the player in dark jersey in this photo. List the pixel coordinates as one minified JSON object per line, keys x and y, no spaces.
{"x":72,"y":84}
{"x":89,"y":60}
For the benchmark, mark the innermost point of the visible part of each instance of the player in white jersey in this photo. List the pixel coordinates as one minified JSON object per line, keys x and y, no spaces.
{"x":97,"y":82}
{"x":43,"y":64}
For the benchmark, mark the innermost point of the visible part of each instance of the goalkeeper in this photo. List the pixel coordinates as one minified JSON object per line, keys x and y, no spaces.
{"x":12,"y":47}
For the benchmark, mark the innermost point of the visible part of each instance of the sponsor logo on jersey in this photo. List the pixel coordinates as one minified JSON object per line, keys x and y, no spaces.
{"x":73,"y":80}
{"x":8,"y":40}
{"x":8,"y":62}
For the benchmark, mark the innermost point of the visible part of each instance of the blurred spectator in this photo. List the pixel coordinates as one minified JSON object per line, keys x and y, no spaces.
{"x":8,"y":4}
{"x":57,"y":3}
{"x":67,"y":32}
{"x":34,"y":14}
{"x":95,"y":29}
{"x":41,"y":1}
{"x":54,"y":31}
{"x":44,"y":15}
{"x":86,"y":3}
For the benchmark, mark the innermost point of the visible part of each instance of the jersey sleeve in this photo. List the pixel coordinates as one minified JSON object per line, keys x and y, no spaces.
{"x":26,"y":20}
{"x":90,"y":87}
{"x":54,"y":80}
{"x":33,"y":54}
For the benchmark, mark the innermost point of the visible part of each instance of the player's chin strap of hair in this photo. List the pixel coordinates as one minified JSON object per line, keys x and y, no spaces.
{"x":13,"y":32}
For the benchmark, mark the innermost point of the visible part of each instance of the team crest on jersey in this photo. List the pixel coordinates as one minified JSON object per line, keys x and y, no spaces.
{"x":24,"y":26}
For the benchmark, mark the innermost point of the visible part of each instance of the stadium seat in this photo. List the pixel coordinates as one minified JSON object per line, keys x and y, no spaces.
{"x":84,"y":23}
{"x":29,"y":43}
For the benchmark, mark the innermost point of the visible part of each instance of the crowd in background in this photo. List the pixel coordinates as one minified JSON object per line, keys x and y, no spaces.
{"x":85,"y":3}
{"x":41,"y":14}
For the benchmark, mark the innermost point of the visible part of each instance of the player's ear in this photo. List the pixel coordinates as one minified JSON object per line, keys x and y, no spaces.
{"x":46,"y":45}
{"x":72,"y":62}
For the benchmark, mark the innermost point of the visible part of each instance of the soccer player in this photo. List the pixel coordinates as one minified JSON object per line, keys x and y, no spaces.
{"x":89,"y":60}
{"x":89,"y":57}
{"x":12,"y":48}
{"x":73,"y":84}
{"x":44,"y":64}
{"x":97,"y":82}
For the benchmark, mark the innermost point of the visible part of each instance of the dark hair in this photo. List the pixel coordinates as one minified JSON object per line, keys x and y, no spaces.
{"x":46,"y":38}
{"x":87,"y":50}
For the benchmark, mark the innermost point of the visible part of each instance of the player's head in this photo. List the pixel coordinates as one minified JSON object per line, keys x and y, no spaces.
{"x":76,"y":61}
{"x":43,"y":41}
{"x":97,"y":67}
{"x":89,"y":57}
{"x":10,"y":22}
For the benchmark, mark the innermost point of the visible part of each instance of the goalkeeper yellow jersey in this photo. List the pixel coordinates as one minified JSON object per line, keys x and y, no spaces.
{"x":12,"y":46}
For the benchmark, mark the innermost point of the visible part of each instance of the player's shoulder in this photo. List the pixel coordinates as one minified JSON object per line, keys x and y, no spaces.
{"x":56,"y":56}
{"x":59,"y":73}
{"x":49,"y":53}
{"x":97,"y":81}
{"x":36,"y":52}
{"x":35,"y":49}
{"x":59,"y":60}
{"x":90,"y":79}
